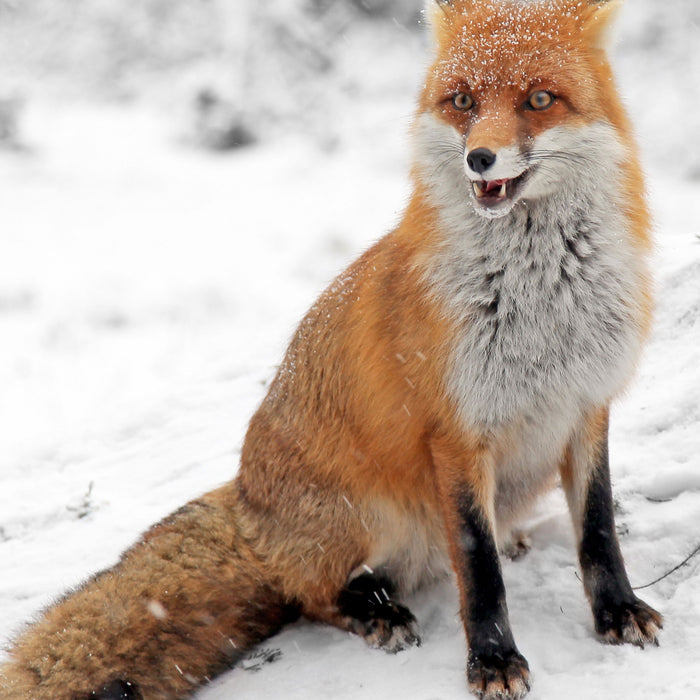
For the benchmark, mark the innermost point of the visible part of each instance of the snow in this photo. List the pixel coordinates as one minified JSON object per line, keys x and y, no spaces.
{"x":147,"y":292}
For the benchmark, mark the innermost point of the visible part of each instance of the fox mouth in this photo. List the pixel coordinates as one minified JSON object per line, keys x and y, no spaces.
{"x":496,"y":196}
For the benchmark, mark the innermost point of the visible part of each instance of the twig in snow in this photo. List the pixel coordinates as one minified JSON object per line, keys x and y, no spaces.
{"x":668,"y":573}
{"x":256,"y":660}
{"x":85,"y":506}
{"x":661,"y":578}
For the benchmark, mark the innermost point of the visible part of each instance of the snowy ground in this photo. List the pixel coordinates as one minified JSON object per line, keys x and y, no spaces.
{"x":147,"y":292}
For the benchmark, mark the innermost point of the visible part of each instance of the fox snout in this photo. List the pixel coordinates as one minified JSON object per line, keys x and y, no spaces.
{"x":496,"y":178}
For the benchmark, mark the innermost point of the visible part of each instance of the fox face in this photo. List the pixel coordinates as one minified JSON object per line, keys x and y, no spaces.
{"x":517,"y":96}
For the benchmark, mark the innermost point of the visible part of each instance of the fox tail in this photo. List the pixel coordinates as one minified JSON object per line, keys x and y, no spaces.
{"x":182,"y":605}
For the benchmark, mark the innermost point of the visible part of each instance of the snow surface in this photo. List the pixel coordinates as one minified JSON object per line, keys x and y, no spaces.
{"x":147,"y":292}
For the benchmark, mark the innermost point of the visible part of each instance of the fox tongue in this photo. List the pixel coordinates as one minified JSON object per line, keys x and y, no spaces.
{"x":492,"y":185}
{"x":491,"y":188}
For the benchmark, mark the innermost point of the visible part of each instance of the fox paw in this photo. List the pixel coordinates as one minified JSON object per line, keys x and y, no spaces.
{"x":631,"y":622}
{"x":516,"y":546}
{"x":368,"y":610}
{"x":393,"y":628}
{"x":496,"y":677}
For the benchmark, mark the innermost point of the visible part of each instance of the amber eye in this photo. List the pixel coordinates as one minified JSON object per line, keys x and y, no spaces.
{"x":462,"y":101}
{"x":542,"y":99}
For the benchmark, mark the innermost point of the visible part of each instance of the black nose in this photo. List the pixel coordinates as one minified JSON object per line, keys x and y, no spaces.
{"x":480,"y":159}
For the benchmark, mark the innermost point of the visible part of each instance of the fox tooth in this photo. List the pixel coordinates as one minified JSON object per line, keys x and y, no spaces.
{"x":502,"y":193}
{"x":477,"y":189}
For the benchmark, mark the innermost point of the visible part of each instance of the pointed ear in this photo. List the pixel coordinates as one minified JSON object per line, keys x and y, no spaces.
{"x":599,"y":21}
{"x":438,"y":14}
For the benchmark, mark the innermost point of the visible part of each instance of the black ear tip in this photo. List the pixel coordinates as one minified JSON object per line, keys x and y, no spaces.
{"x":118,"y":690}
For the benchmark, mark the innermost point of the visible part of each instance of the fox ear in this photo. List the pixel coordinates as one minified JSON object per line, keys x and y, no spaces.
{"x":439,"y":14}
{"x":599,"y":20}
{"x":437,"y":6}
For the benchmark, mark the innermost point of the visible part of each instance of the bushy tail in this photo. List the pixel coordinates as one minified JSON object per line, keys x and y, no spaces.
{"x":183,"y":604}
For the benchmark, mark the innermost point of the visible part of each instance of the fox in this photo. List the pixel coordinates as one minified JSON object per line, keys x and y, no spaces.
{"x":460,"y":368}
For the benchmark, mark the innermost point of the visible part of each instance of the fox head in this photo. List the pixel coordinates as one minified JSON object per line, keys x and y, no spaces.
{"x":520,"y":92}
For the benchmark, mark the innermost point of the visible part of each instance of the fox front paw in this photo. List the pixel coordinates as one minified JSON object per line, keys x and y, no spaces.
{"x":631,"y":622}
{"x":498,"y":677}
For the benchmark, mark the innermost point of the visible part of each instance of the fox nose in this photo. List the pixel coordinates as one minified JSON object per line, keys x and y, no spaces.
{"x":480,"y":159}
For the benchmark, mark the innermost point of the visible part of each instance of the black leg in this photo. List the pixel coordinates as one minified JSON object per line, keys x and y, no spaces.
{"x":495,"y":667}
{"x":619,"y":615}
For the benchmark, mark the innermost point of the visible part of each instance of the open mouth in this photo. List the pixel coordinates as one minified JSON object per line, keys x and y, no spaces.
{"x":495,"y":194}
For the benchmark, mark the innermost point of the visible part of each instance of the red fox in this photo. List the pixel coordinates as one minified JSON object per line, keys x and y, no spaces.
{"x":436,"y":388}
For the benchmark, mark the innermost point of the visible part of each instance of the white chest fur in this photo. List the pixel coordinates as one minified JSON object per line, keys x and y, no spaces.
{"x":545,"y":301}
{"x":542,"y":304}
{"x":545,"y":331}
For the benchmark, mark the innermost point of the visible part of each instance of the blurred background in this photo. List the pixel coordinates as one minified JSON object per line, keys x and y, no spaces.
{"x":235,"y":71}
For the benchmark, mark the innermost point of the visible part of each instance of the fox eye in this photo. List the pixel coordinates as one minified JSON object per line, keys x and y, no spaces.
{"x":462,"y":101}
{"x":540,"y":100}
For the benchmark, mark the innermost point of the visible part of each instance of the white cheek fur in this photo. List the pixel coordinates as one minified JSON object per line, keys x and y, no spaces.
{"x":575,"y":160}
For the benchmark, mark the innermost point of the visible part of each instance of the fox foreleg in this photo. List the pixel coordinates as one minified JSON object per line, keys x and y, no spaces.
{"x":495,"y":667}
{"x":619,"y":615}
